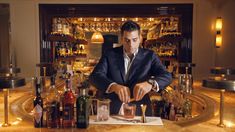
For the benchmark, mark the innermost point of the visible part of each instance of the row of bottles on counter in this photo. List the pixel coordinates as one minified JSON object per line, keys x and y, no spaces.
{"x":57,"y":110}
{"x":65,"y":49}
{"x":173,"y":105}
{"x":169,"y":111}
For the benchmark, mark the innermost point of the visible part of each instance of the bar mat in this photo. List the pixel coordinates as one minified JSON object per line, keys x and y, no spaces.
{"x":123,"y":121}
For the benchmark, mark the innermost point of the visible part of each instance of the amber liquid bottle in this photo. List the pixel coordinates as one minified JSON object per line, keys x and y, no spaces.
{"x":82,"y":106}
{"x":68,"y":106}
{"x":38,"y":107}
{"x":53,"y":106}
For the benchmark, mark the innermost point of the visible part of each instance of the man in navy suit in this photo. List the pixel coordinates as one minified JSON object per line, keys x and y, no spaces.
{"x":129,"y":72}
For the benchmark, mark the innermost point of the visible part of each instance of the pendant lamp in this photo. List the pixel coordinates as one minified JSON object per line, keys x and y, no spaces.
{"x":97,"y":38}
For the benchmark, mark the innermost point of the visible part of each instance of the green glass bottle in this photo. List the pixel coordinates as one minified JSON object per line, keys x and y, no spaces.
{"x":83,"y":109}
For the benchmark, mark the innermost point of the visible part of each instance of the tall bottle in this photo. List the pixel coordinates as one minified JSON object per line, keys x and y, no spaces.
{"x":188,"y":82}
{"x":38,"y":107}
{"x":82,"y":109}
{"x":68,"y":105}
{"x":53,"y":106}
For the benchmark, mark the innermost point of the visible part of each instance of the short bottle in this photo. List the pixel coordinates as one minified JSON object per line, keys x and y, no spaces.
{"x":38,"y":107}
{"x":82,"y":105}
{"x":187,"y":108}
{"x":172,"y":113}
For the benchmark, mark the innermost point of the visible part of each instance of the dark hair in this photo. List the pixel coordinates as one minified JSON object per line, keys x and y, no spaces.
{"x":130,"y":26}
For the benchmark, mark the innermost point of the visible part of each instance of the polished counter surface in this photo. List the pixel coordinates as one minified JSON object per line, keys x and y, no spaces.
{"x":25,"y":124}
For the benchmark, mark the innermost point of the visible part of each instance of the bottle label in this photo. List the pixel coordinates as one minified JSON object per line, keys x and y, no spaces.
{"x":37,"y":112}
{"x":53,"y":111}
{"x":81,"y":119}
{"x":68,"y":112}
{"x":82,"y":112}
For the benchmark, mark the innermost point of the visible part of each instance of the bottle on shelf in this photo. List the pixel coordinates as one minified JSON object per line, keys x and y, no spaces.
{"x":82,"y":106}
{"x":68,"y":105}
{"x":53,"y":106}
{"x":38,"y":106}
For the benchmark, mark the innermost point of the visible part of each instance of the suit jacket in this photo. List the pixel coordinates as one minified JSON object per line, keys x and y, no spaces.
{"x":111,"y":69}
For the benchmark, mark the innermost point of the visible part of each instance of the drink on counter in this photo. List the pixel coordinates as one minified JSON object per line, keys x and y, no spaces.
{"x":103,"y":107}
{"x":129,"y":110}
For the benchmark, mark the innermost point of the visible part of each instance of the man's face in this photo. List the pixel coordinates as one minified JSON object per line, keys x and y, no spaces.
{"x":131,"y":41}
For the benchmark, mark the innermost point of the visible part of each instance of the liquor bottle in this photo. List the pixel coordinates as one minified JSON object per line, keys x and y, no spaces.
{"x":82,"y":106}
{"x":187,"y":108}
{"x":38,"y":107}
{"x":68,"y":106}
{"x":188,"y":82}
{"x":53,"y":106}
{"x":172,"y":113}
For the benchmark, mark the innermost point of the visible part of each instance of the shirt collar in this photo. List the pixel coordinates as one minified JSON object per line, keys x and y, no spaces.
{"x":125,"y":54}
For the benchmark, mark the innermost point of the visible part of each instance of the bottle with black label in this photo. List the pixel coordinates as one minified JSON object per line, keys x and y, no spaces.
{"x":38,"y":107}
{"x":82,"y":105}
{"x":53,"y":106}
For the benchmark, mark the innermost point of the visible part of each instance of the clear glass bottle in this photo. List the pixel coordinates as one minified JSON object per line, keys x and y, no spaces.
{"x":38,"y":106}
{"x":172,"y":113}
{"x":188,"y":82}
{"x":187,"y":108}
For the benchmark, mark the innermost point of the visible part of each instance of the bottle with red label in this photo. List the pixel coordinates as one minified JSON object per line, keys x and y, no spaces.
{"x":68,"y":105}
{"x":38,"y":107}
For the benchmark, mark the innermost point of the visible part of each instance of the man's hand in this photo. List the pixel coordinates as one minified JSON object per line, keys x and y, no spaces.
{"x":141,"y":89}
{"x":123,"y":92}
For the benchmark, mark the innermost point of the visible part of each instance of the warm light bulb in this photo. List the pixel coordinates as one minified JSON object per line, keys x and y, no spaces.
{"x":218,"y":24}
{"x":151,"y":19}
{"x":218,"y":40}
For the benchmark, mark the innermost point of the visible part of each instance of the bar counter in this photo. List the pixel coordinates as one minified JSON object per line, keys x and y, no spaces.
{"x":25,"y":123}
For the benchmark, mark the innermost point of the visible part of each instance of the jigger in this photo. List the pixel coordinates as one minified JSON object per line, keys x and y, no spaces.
{"x":143,"y":117}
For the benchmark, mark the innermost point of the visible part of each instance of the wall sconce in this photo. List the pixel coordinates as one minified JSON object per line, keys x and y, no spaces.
{"x":218,"y":27}
{"x":97,"y":38}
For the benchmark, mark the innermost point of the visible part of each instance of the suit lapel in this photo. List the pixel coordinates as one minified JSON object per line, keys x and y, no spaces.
{"x":135,"y":64}
{"x":120,"y":63}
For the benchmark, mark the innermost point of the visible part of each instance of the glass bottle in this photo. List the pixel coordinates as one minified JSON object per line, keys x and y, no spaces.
{"x":68,"y":105}
{"x":53,"y":106}
{"x":172,"y":113}
{"x":188,"y":82}
{"x":187,"y":108}
{"x":82,"y":105}
{"x":59,"y":26}
{"x":38,"y":107}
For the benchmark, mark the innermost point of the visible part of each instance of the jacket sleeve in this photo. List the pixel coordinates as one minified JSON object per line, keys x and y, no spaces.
{"x":98,"y":77}
{"x":158,"y":70}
